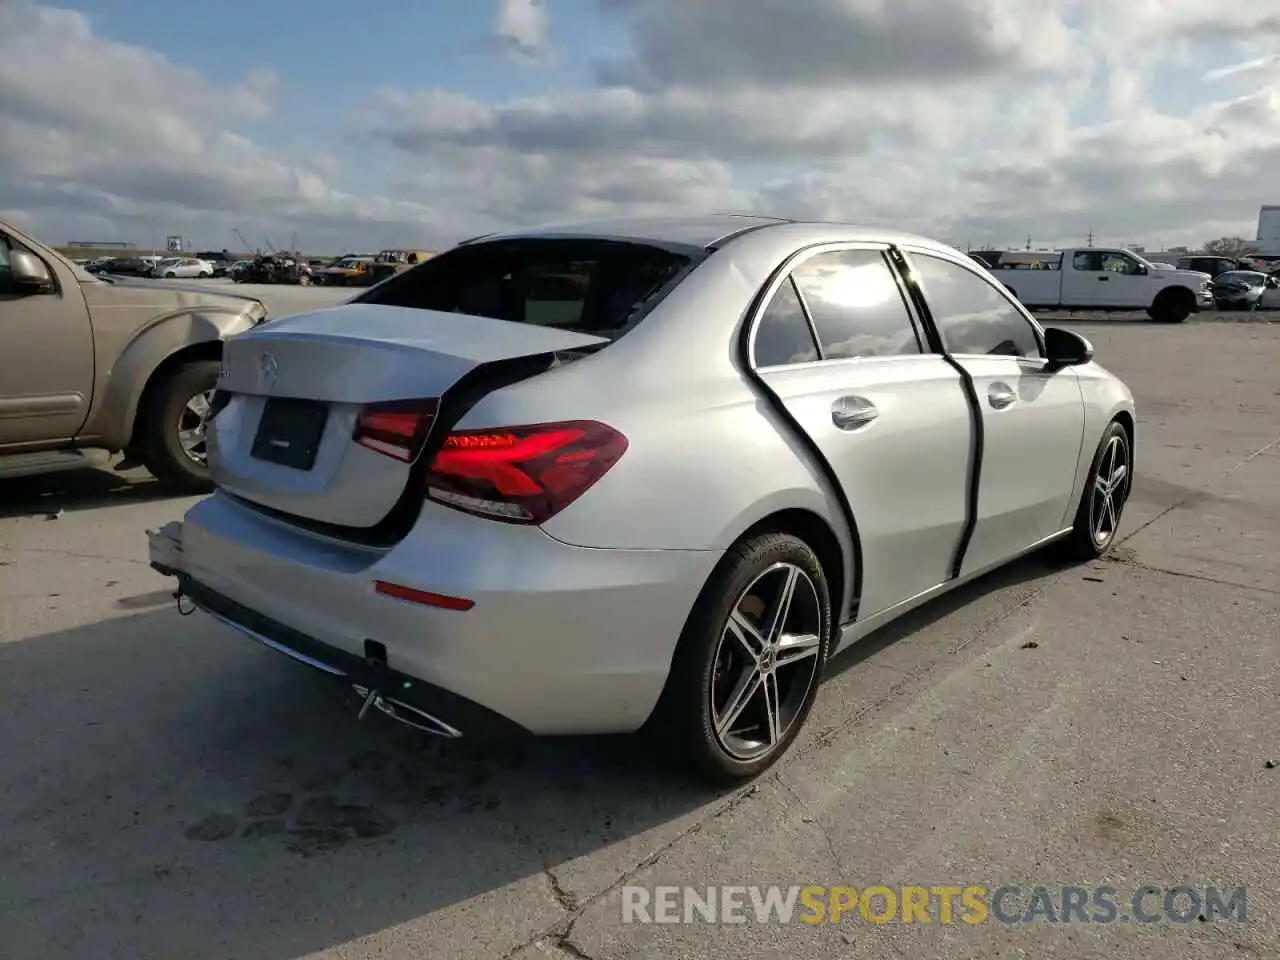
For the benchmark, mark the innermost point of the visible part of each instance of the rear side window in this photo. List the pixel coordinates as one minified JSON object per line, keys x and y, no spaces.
{"x":856,"y":305}
{"x":592,"y":286}
{"x":783,"y":335}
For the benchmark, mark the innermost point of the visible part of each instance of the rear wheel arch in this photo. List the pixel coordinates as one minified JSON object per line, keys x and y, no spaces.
{"x":815,"y":531}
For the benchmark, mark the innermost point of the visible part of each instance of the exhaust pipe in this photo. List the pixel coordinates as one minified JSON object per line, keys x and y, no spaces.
{"x":402,"y":712}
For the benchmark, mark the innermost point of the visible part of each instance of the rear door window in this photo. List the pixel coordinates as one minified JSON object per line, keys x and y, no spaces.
{"x":592,"y":286}
{"x":856,"y":305}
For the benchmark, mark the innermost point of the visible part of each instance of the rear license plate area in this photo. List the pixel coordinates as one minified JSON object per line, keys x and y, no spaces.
{"x":289,"y":432}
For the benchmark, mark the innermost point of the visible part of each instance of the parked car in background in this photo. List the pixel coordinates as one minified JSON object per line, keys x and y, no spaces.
{"x":182,"y":267}
{"x":1096,"y":278}
{"x":346,"y":272}
{"x":106,"y":364}
{"x":1246,"y":290}
{"x":649,"y":472}
{"x":124,"y":267}
{"x":1213,"y":266}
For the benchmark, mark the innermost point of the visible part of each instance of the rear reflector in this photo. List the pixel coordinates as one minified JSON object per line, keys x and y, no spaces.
{"x":524,"y":474}
{"x":424,"y":597}
{"x":397,"y":429}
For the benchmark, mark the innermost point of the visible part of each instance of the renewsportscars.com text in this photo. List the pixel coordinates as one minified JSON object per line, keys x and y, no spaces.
{"x":936,"y":903}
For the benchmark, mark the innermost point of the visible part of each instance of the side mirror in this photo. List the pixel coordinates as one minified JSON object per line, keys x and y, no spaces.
{"x":28,"y":273}
{"x":1141,"y":270}
{"x":1066,"y":348}
{"x":1273,"y":282}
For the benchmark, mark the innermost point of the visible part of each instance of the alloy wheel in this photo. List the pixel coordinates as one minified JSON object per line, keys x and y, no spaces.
{"x":191,"y":427}
{"x":1110,"y":485}
{"x":766,"y":662}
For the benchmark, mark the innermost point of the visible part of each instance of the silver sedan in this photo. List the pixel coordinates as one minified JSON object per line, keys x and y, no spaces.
{"x":599,"y":477}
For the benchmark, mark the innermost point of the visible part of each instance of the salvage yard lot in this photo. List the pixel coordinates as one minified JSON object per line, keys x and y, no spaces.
{"x":171,"y":790}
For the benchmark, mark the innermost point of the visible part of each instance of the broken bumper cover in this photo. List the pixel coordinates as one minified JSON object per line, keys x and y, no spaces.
{"x":411,"y":701}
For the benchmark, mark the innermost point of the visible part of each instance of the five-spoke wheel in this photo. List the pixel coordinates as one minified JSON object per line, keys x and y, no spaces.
{"x":747,"y":667}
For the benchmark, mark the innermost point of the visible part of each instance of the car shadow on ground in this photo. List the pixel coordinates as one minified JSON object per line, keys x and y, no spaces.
{"x":70,"y":490}
{"x":171,"y":789}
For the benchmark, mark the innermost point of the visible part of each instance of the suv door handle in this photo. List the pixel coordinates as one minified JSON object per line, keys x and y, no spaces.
{"x":1000,"y":396}
{"x":852,"y":413}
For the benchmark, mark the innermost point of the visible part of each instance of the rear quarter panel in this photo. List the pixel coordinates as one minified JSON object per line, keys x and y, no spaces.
{"x":703,"y":463}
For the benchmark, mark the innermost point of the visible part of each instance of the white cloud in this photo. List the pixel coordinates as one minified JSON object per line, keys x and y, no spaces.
{"x":522,"y":28}
{"x":978,"y":120}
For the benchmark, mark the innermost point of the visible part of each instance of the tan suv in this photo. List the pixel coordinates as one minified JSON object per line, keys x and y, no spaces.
{"x":96,"y":365}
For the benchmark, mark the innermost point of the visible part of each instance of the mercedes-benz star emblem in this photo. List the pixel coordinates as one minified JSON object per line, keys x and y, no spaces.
{"x":268,"y":370}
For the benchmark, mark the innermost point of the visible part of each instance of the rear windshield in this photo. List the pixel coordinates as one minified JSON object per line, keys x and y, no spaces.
{"x":597,"y":287}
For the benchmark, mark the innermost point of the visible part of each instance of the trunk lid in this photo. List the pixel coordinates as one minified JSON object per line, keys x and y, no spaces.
{"x":291,"y":390}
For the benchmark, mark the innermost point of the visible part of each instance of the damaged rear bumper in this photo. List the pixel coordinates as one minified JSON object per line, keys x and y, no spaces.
{"x":404,"y":698}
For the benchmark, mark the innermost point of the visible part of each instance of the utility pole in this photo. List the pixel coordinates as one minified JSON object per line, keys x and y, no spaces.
{"x":1028,"y":241}
{"x":1090,"y":243}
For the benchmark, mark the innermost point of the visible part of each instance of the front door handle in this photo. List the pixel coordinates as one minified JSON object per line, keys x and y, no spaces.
{"x":1103,"y":279}
{"x":852,"y":413}
{"x":1001,"y":395}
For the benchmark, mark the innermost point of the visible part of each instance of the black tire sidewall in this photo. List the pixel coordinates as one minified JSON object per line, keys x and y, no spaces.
{"x":164,"y":455}
{"x":687,"y":697}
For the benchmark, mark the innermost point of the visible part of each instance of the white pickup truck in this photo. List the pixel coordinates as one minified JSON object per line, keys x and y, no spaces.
{"x":1096,"y":278}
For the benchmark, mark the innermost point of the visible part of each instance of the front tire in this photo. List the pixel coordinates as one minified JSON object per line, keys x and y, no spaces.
{"x":173,"y":446}
{"x":170,"y":275}
{"x":748,"y":664}
{"x":1172,"y":306}
{"x":1106,"y":491}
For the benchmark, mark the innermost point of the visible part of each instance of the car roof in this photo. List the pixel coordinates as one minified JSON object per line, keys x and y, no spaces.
{"x":703,"y":232}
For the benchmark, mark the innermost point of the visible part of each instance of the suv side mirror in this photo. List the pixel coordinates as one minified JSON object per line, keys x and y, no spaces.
{"x":1141,"y":270}
{"x":28,"y":273}
{"x":1066,"y":348}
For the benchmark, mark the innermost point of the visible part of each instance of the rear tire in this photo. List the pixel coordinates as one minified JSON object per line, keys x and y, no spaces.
{"x":1094,"y":530}
{"x":1172,"y":306}
{"x":173,"y":408}
{"x":727,"y":648}
{"x":170,"y":275}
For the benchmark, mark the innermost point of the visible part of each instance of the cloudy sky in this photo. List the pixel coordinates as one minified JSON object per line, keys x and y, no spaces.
{"x":419,"y":122}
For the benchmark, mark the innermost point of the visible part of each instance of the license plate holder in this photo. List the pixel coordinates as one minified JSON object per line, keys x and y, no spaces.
{"x":289,"y":432}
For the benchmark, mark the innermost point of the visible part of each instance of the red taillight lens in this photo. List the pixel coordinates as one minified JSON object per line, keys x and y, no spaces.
{"x":397,"y":429}
{"x":522,"y":474}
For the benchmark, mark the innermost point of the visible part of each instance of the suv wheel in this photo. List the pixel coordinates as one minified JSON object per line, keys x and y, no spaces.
{"x":173,"y":425}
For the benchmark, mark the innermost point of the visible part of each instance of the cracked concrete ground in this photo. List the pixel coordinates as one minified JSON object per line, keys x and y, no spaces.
{"x":169,"y":790}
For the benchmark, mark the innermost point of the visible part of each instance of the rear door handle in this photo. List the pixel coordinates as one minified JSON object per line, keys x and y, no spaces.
{"x":1000,"y":396}
{"x":1103,"y":279}
{"x":852,"y":413}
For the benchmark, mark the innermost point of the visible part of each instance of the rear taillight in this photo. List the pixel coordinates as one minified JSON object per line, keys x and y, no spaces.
{"x":522,"y":474}
{"x":397,"y":429}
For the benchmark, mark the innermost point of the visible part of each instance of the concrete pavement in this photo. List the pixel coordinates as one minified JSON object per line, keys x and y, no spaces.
{"x":171,"y":790}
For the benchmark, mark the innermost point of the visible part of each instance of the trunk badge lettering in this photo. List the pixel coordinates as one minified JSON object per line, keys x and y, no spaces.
{"x":268,"y":370}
